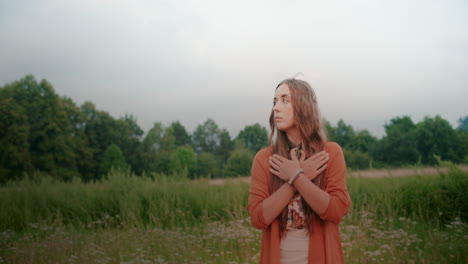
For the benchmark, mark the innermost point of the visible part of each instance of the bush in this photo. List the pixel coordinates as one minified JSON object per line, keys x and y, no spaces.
{"x":357,"y":159}
{"x":239,"y":163}
{"x":207,"y":166}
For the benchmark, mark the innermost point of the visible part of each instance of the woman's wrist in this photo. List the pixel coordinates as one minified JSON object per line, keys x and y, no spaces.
{"x":300,"y":180}
{"x":293,"y":178}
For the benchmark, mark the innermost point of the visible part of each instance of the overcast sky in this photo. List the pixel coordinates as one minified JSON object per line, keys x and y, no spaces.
{"x":368,"y":61}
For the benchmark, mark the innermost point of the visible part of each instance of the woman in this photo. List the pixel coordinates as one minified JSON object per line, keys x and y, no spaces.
{"x":298,"y":192}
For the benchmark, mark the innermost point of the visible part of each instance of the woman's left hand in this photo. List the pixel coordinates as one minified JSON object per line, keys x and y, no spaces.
{"x":283,"y":167}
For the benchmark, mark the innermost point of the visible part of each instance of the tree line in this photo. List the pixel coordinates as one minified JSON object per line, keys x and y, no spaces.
{"x":42,"y":132}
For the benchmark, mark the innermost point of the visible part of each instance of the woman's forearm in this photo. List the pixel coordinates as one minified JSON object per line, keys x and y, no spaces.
{"x":275,"y":203}
{"x":315,"y":197}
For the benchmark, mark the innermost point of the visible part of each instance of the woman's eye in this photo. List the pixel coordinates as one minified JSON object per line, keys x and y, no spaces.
{"x":285,"y":100}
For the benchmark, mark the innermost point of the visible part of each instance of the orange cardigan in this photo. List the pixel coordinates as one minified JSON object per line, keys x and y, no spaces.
{"x":325,"y":244}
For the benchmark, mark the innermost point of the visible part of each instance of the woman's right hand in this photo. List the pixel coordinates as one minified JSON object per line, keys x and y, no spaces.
{"x":315,"y":164}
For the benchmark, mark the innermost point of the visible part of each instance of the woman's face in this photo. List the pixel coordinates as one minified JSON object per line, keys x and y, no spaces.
{"x":283,"y":109}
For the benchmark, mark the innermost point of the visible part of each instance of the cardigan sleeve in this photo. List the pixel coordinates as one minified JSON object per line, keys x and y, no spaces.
{"x":335,"y":185}
{"x":258,"y":189}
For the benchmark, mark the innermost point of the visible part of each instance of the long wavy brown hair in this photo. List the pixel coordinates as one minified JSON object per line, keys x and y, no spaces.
{"x":307,"y":119}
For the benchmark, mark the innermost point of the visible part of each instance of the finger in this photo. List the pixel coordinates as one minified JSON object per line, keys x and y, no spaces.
{"x":276,"y":160}
{"x":302,"y":156}
{"x":320,"y":154}
{"x":274,"y":165}
{"x":315,"y":159}
{"x":323,"y":159}
{"x":317,"y":155}
{"x":276,"y":173}
{"x":321,"y":169}
{"x":293,"y":153}
{"x":281,"y":158}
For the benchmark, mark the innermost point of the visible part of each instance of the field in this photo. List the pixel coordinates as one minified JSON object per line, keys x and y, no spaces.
{"x":130,"y":219}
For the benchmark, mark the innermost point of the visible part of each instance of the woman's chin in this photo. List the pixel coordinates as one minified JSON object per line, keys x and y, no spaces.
{"x":282,"y":129}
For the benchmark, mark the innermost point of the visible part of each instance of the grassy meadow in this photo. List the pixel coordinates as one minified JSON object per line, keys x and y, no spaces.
{"x":132,"y":219}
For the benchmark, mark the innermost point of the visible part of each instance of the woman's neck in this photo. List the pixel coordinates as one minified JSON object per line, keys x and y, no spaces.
{"x":294,"y":136}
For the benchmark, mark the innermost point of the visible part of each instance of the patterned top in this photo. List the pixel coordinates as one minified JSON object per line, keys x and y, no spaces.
{"x":296,"y":217}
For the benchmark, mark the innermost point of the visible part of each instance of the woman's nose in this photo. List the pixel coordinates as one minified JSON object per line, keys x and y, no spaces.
{"x":276,"y":107}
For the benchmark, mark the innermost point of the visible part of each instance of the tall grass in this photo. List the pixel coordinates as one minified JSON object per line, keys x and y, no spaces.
{"x":131,"y":219}
{"x":436,"y":199}
{"x":126,"y":199}
{"x":162,"y":202}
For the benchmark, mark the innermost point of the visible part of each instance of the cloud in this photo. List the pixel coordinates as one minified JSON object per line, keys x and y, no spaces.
{"x":190,"y":60}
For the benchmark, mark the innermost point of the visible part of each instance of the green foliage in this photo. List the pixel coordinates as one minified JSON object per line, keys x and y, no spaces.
{"x":41,"y":125}
{"x":329,"y":130}
{"x":14,"y":146}
{"x":239,"y":163}
{"x":100,"y":131}
{"x":85,"y":163}
{"x":183,"y":160}
{"x":131,"y":200}
{"x":463,"y":126}
{"x":363,"y":141}
{"x":462,"y":146}
{"x":357,"y":159}
{"x":343,"y":134}
{"x":156,"y":149}
{"x":128,"y":138}
{"x":41,"y":131}
{"x":441,"y":200}
{"x":432,"y":199}
{"x":399,"y":146}
{"x":112,"y":158}
{"x":182,"y":138}
{"x":128,"y":218}
{"x":164,"y":202}
{"x":253,"y":137}
{"x":226,"y":145}
{"x":207,"y":166}
{"x":435,"y":136}
{"x":209,"y":138}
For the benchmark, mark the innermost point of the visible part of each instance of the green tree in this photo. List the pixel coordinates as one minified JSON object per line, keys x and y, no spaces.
{"x":182,"y":138}
{"x":207,"y":137}
{"x":363,"y":141}
{"x":343,"y":134}
{"x":462,"y":146}
{"x":84,"y":152}
{"x":329,"y":130}
{"x":101,"y":131}
{"x":239,"y":163}
{"x":225,"y":147}
{"x":253,"y":137}
{"x":156,"y":149}
{"x":14,"y":145}
{"x":207,"y":165}
{"x":51,"y":145}
{"x":398,"y":146}
{"x":356,"y":159}
{"x":183,"y":160}
{"x":463,"y":126}
{"x":113,"y":158}
{"x":128,"y":138}
{"x":435,"y":136}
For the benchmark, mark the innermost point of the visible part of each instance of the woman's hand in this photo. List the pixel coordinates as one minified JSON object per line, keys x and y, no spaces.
{"x":315,"y":164}
{"x":283,"y":167}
